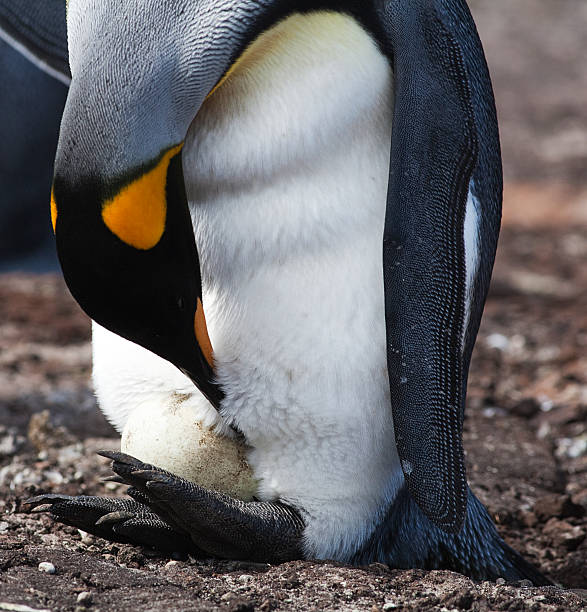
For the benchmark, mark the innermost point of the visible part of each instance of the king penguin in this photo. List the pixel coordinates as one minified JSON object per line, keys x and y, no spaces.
{"x":287,"y":210}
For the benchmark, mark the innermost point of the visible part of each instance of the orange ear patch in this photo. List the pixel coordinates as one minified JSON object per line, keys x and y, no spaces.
{"x":202,"y":336}
{"x":138,"y":212}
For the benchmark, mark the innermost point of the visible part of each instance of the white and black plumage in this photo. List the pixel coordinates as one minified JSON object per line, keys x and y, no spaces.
{"x":342,"y":171}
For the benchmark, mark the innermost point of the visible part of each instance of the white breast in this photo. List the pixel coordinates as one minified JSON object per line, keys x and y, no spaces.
{"x":286,"y":169}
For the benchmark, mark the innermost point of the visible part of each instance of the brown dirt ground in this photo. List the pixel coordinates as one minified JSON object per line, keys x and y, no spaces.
{"x":526,"y":427}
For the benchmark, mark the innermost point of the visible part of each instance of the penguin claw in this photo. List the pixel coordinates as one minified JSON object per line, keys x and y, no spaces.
{"x":118,"y":456}
{"x":115,"y":517}
{"x":46,"y":499}
{"x":151,"y":476}
{"x":117,"y":479}
{"x":41,"y":508}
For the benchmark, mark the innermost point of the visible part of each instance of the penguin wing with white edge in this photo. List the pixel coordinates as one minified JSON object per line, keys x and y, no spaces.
{"x":440,"y":236}
{"x":37,"y":30}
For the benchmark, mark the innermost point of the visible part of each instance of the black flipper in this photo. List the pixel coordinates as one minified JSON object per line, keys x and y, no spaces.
{"x":444,"y":138}
{"x":38,"y":27}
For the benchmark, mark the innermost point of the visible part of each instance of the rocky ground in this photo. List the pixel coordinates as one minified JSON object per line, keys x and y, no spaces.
{"x":526,"y":427}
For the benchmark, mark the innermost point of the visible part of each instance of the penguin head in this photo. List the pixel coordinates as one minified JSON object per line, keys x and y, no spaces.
{"x":140,"y":72}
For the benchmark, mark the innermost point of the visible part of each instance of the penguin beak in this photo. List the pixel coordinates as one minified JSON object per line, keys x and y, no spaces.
{"x":126,"y":246}
{"x":128,"y":255}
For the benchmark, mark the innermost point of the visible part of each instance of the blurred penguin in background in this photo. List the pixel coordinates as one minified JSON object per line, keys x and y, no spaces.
{"x":32,"y":95}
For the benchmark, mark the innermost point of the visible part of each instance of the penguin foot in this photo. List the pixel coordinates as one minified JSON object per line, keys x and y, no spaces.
{"x":120,"y":520}
{"x":407,"y":538}
{"x":172,"y":514}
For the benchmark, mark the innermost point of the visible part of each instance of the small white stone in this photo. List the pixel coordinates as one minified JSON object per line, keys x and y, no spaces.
{"x":5,"y":605}
{"x":572,"y":447}
{"x":86,"y":538}
{"x":245,"y":578}
{"x":84,"y":598}
{"x":54,"y":477}
{"x":497,"y":341}
{"x":47,"y":567}
{"x":171,"y":564}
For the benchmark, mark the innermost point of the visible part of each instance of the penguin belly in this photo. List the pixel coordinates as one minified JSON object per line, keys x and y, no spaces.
{"x":286,"y":168}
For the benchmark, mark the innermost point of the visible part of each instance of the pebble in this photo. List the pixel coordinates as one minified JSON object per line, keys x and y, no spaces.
{"x":171,"y":564}
{"x":5,"y":605}
{"x":528,"y":519}
{"x":564,"y":534}
{"x":47,"y":567}
{"x":559,"y":506}
{"x":244,"y":578}
{"x":85,"y":599}
{"x":497,"y":341}
{"x":526,"y":408}
{"x":54,"y":477}
{"x":573,"y":448}
{"x":11,"y":444}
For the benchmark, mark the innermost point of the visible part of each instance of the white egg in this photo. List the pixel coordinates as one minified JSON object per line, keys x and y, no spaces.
{"x":172,"y":437}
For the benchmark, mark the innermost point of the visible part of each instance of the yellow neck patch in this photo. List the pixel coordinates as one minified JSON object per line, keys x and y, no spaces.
{"x":137,"y":213}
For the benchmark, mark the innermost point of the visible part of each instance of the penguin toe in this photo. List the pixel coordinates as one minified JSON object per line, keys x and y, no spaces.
{"x":188,"y":507}
{"x":124,"y":465}
{"x":119,"y":520}
{"x":152,"y":532}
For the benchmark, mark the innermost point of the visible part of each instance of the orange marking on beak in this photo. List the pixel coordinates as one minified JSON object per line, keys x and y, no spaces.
{"x":53,"y":211}
{"x":202,"y":336}
{"x":138,"y":212}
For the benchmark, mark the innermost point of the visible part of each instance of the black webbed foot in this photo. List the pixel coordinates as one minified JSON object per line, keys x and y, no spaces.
{"x":170,"y":513}
{"x":120,"y":520}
